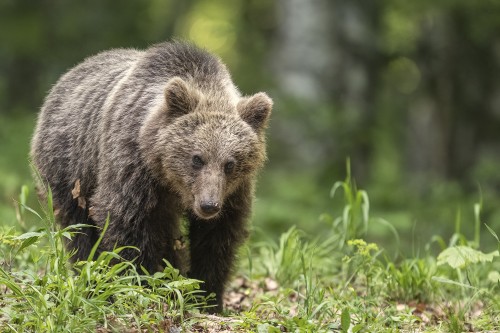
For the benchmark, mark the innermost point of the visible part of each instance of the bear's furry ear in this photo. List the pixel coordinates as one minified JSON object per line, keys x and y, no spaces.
{"x":255,"y":110}
{"x":180,"y":97}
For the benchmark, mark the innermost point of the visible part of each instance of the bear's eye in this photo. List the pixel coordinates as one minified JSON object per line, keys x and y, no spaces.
{"x":197,"y":162}
{"x":229,"y":167}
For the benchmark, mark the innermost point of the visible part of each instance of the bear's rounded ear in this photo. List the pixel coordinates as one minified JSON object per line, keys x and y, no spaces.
{"x":180,"y":97}
{"x":255,"y":110}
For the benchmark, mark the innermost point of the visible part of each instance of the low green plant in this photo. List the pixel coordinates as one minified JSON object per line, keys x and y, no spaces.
{"x":354,"y":220}
{"x":281,"y":261}
{"x":465,"y":258}
{"x":106,"y":292}
{"x":411,"y":280}
{"x":296,"y":264}
{"x":362,"y":264}
{"x":338,"y":281}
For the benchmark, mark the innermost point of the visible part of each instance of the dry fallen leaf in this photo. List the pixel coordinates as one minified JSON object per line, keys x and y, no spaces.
{"x":179,"y":244}
{"x":91,"y":211}
{"x":271,"y":284}
{"x":82,"y":203}
{"x":76,"y":190}
{"x":401,"y":307}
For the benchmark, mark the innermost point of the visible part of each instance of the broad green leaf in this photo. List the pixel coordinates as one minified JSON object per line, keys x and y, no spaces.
{"x":29,"y":235}
{"x":494,"y":276}
{"x":460,"y":256}
{"x":27,"y":242}
{"x":345,"y":320}
{"x":28,"y":239}
{"x":266,"y":328}
{"x":357,"y":328}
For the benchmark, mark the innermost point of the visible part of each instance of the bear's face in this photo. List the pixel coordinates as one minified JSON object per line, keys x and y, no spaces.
{"x":218,"y":154}
{"x":202,"y":156}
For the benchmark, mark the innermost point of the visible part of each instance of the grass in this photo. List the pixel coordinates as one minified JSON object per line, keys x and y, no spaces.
{"x":43,"y":294}
{"x":337,"y":282}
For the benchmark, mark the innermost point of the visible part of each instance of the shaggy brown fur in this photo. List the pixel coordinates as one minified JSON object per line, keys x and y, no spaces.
{"x":148,"y":137}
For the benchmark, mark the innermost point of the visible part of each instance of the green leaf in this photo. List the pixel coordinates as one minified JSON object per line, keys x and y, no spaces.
{"x":460,"y":256}
{"x":335,"y":187}
{"x":27,"y":243}
{"x":7,"y":280}
{"x":448,"y":281}
{"x":28,"y":235}
{"x":28,"y":239}
{"x":345,"y":320}
{"x":32,"y":211}
{"x":493,"y":233}
{"x":23,"y":197}
{"x":266,"y":328}
{"x":494,"y":276}
{"x":357,"y":328}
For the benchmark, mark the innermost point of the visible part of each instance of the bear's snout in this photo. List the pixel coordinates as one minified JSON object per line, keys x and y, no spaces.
{"x":209,"y":193}
{"x":207,"y":210}
{"x":210,"y":207}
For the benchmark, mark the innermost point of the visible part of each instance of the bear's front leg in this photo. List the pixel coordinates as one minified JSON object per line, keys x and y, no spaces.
{"x":214,"y":244}
{"x":150,"y":232}
{"x":145,"y":247}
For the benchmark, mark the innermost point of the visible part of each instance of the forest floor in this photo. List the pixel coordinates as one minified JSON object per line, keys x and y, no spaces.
{"x":337,"y":282}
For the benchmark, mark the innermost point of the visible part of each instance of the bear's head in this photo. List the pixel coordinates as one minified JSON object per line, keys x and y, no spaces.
{"x":205,"y":148}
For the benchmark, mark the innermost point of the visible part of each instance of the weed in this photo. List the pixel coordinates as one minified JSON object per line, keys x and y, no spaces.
{"x":353,"y":223}
{"x":412,"y":280}
{"x":53,"y":297}
{"x":337,"y":282}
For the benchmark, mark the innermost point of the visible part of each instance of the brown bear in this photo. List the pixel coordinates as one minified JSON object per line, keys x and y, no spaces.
{"x":149,"y":137}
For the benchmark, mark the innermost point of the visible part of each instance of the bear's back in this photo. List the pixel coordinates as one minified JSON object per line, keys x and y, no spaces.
{"x":84,"y":88}
{"x":65,"y":136}
{"x":166,"y":60}
{"x":181,"y":59}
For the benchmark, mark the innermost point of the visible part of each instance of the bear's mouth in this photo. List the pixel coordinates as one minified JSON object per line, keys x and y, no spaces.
{"x":205,"y":215}
{"x":206,"y":209}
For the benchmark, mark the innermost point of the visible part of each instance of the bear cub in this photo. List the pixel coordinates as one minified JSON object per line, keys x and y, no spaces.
{"x":148,"y":138}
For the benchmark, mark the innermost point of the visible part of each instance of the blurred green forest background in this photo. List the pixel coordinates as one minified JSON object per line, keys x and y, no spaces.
{"x":408,"y":90}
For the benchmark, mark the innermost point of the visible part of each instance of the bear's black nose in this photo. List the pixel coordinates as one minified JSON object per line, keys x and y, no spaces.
{"x":210,"y":207}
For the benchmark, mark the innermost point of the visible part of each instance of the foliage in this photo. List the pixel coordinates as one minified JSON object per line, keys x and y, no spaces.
{"x":43,"y":293}
{"x":375,"y":85}
{"x":462,"y":256}
{"x":296,"y":284}
{"x":366,"y":291}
